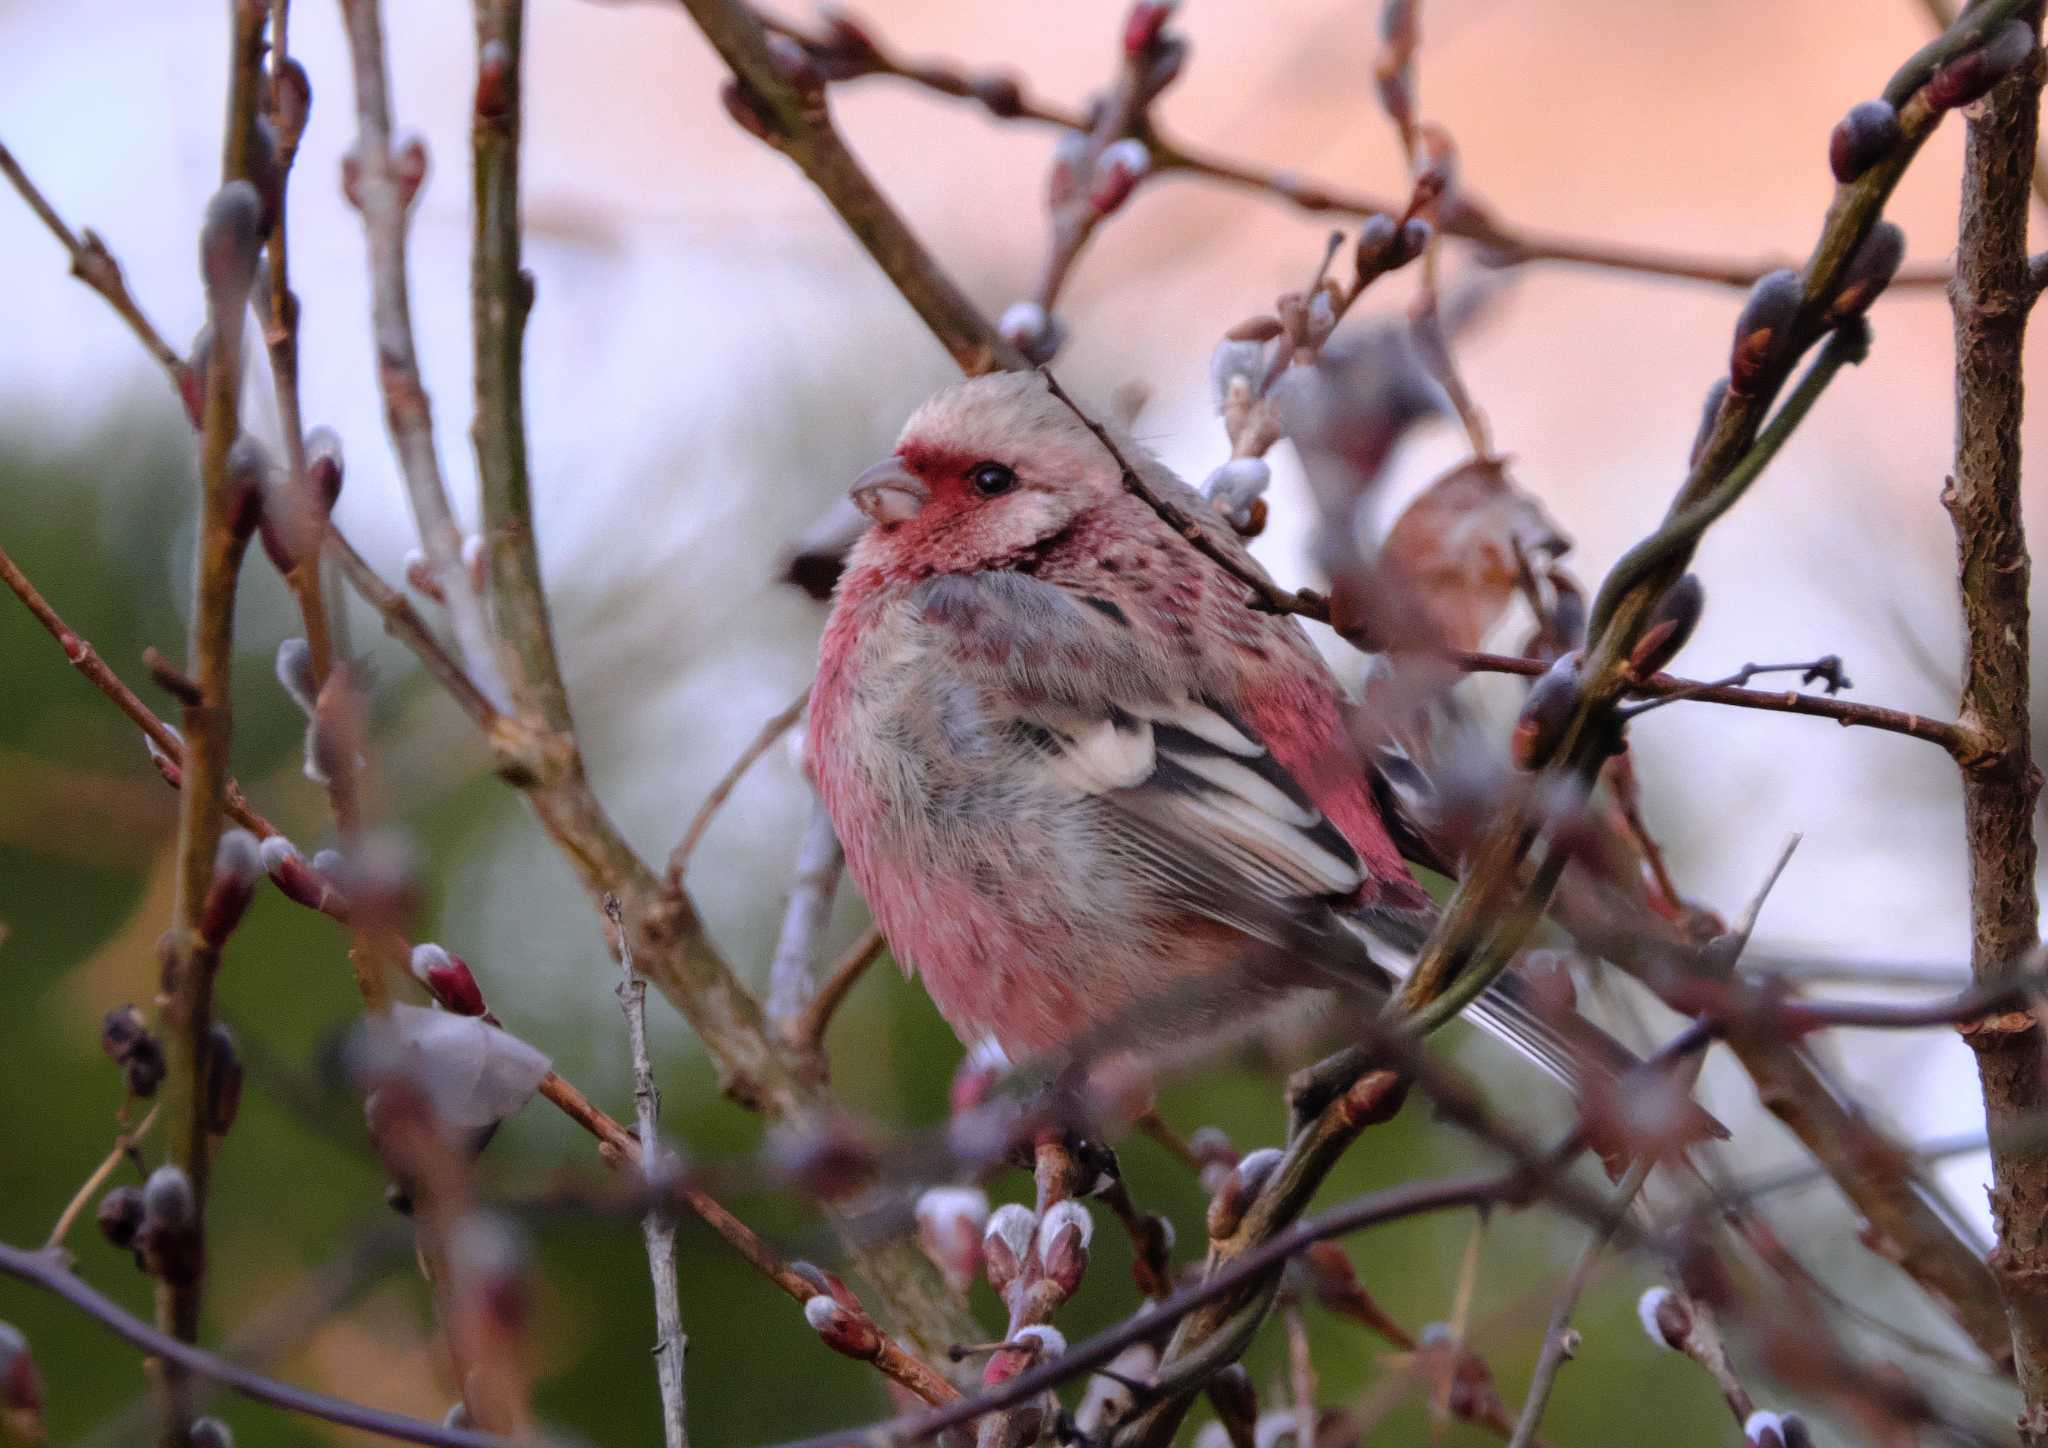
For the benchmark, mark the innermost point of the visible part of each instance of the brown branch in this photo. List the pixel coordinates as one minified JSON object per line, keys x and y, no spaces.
{"x":1560,"y":1339}
{"x":124,"y":1143}
{"x":191,"y":954}
{"x":94,"y":265}
{"x":807,"y":1032}
{"x":795,"y":121}
{"x":621,"y":1149}
{"x":1006,"y":99}
{"x":657,"y":1227}
{"x":501,"y":296}
{"x":1398,"y":1203}
{"x":1943,"y":14}
{"x":1959,"y":742}
{"x":42,"y":1270}
{"x":778,"y":725}
{"x":1879,"y":1175}
{"x":1990,"y":301}
{"x":1501,"y":897}
{"x":403,"y":622}
{"x":384,"y":198}
{"x":163,"y":741}
{"x":819,"y":864}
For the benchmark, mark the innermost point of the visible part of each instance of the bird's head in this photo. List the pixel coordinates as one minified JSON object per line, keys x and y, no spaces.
{"x":983,"y":473}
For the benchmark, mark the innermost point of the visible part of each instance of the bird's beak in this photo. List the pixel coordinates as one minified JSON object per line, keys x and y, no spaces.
{"x":888,"y":492}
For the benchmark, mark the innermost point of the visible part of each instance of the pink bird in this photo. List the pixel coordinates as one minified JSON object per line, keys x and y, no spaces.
{"x":1090,"y":795}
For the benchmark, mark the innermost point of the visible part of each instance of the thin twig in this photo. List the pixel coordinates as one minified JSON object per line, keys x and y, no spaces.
{"x":164,"y":742}
{"x":1958,"y":741}
{"x":796,"y":123}
{"x":191,"y":957}
{"x":807,"y":1032}
{"x":819,"y":864}
{"x":94,"y":265}
{"x":42,"y":1269}
{"x":657,"y":1227}
{"x":1502,"y":244}
{"x":1560,"y":1339}
{"x":779,"y":724}
{"x":384,"y":201}
{"x":82,"y":1198}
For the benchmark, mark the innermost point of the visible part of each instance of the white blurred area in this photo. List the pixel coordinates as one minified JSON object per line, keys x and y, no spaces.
{"x":711,"y":358}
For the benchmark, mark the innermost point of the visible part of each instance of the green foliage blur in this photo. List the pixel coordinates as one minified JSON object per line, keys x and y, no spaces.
{"x":85,"y":826}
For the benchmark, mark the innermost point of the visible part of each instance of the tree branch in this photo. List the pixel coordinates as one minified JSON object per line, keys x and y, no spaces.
{"x":657,"y":1227}
{"x":852,"y":51}
{"x":227,"y":498}
{"x":94,"y":265}
{"x":1990,"y":298}
{"x":384,"y":197}
{"x":164,"y":743}
{"x":796,"y":122}
{"x":42,"y":1270}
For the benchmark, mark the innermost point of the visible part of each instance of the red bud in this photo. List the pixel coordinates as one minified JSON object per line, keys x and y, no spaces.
{"x":447,"y":976}
{"x":237,"y":865}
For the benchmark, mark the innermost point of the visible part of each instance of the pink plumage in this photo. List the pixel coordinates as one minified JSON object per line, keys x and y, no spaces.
{"x":1088,"y":793}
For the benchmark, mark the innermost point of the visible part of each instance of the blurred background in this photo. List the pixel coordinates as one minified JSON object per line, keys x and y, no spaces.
{"x":711,"y":359}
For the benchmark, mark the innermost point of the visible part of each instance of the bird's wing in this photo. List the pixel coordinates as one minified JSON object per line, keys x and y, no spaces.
{"x":1192,"y":797}
{"x":1195,"y":801}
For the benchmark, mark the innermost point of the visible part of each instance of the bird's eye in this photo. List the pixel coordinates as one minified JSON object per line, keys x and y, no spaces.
{"x":991,"y":479}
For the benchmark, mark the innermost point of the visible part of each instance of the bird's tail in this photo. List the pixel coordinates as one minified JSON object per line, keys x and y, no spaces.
{"x":1561,"y":1041}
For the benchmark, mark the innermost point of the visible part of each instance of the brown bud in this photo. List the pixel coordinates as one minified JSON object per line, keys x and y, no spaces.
{"x":1670,"y":625}
{"x":120,"y":1216}
{"x":266,"y":173}
{"x":842,"y":1329}
{"x":248,"y":476}
{"x":170,"y":1238}
{"x":1666,"y":1318}
{"x":299,"y":881}
{"x":324,"y":466}
{"x":1144,"y":24}
{"x":237,"y":866}
{"x":949,"y":1226}
{"x":794,"y":64}
{"x":1862,"y":138}
{"x":291,"y":102}
{"x":1870,"y":271}
{"x":230,"y":240}
{"x":745,"y":108}
{"x":224,"y":1075}
{"x":1228,"y":1206}
{"x":1117,"y":172}
{"x":1762,"y":327}
{"x":409,"y":170}
{"x":130,"y":1046}
{"x":1006,"y":1242}
{"x":352,"y":179}
{"x":1974,"y":72}
{"x":1063,"y":1237}
{"x":1545,"y":712}
{"x":448,"y":976}
{"x":495,"y":80}
{"x":21,"y":1388}
{"x":1255,"y":329}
